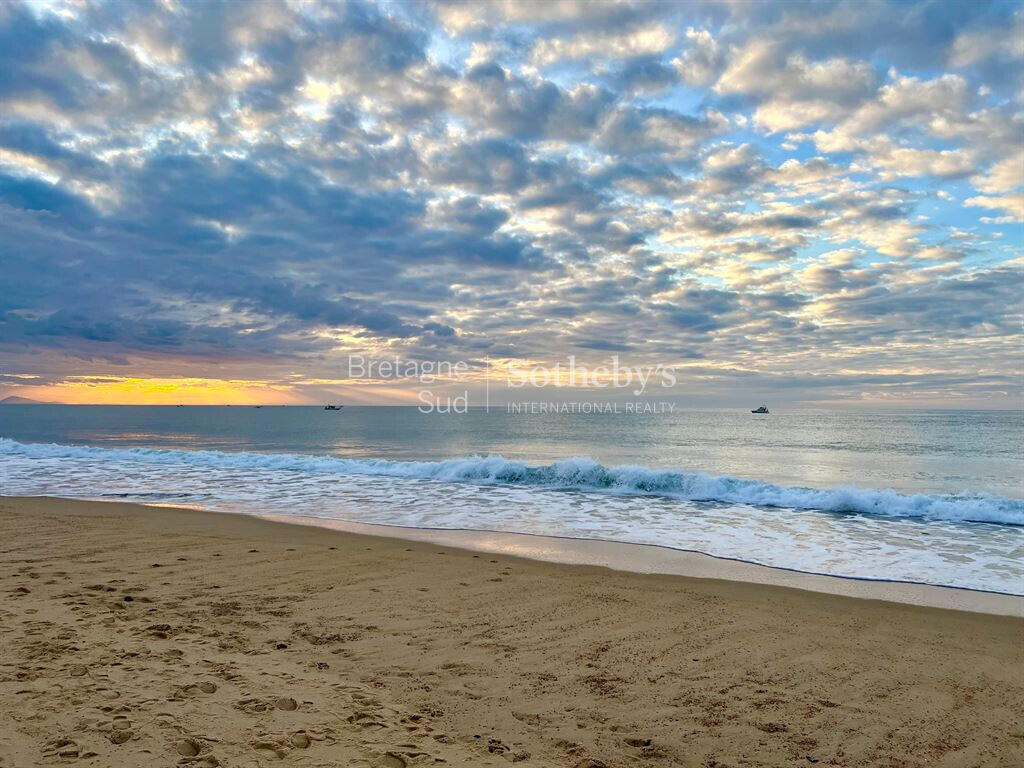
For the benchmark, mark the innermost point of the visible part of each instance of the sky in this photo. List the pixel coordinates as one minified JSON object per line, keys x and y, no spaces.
{"x":816,"y":203}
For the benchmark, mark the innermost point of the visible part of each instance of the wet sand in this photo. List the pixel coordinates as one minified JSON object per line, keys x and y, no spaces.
{"x":140,"y":636}
{"x":650,"y":558}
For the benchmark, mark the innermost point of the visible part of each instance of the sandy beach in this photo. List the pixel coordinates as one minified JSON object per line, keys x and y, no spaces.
{"x":142,"y":636}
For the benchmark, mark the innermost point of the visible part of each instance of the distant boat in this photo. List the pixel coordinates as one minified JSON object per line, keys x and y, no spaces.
{"x":762,"y":409}
{"x":257,"y":406}
{"x":333,"y":407}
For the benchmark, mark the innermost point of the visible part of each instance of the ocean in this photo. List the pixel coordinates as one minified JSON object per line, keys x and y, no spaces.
{"x":930,"y":497}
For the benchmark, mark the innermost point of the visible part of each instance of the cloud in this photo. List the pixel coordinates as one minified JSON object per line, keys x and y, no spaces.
{"x":702,"y":58}
{"x":728,"y":169}
{"x":640,"y":75}
{"x":651,"y":39}
{"x":1012,"y":204}
{"x":528,"y":109}
{"x":974,"y":46}
{"x":650,"y":130}
{"x":890,"y":161}
{"x":1004,"y":175}
{"x":904,"y":100}
{"x":794,"y":91}
{"x":267,"y":186}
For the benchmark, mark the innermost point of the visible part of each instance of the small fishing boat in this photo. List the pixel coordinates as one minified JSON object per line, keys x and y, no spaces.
{"x":333,"y":407}
{"x":762,"y":409}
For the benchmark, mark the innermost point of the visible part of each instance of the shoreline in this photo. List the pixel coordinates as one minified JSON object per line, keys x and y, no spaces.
{"x":138,"y":635}
{"x":642,"y":558}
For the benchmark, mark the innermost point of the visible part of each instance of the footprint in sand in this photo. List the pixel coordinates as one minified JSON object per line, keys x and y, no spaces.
{"x":255,"y":706}
{"x":188,"y":747}
{"x":278,"y":750}
{"x":65,"y":749}
{"x":494,"y":746}
{"x":159,"y":631}
{"x":365,"y":720}
{"x":287,"y":704}
{"x":194,"y":689}
{"x":119,"y":737}
{"x":647,"y":748}
{"x":279,"y":746}
{"x":393,"y":759}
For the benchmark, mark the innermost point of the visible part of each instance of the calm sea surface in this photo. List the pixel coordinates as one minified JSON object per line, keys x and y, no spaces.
{"x":928,"y":496}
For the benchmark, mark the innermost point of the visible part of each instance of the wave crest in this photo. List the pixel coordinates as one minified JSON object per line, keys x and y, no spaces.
{"x":579,"y":473}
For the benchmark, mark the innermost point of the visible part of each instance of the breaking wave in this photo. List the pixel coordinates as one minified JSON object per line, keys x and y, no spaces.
{"x":580,"y":474}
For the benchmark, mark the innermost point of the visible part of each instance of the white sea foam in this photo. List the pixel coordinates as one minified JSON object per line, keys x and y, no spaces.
{"x":579,"y":473}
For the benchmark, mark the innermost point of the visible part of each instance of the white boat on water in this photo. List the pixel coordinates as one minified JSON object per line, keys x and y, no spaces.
{"x":762,"y":409}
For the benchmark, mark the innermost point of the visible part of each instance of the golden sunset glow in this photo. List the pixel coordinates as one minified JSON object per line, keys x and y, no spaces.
{"x":114,"y":390}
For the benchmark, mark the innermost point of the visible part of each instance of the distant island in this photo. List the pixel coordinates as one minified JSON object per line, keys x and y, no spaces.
{"x":15,"y":400}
